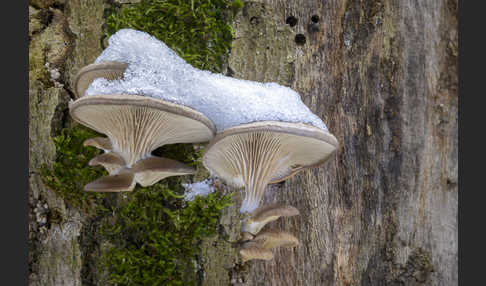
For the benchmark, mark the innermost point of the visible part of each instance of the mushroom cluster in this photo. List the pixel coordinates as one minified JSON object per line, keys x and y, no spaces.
{"x":141,"y":95}
{"x":135,"y":125}
{"x":256,"y":154}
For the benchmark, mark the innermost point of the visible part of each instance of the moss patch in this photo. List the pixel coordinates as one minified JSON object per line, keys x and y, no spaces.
{"x":156,"y":236}
{"x":150,"y":236}
{"x":70,"y":172}
{"x":197,"y":30}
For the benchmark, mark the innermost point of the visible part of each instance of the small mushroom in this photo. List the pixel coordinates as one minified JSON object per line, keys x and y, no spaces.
{"x":153,"y":169}
{"x":260,"y":246}
{"x":255,"y":154}
{"x":120,"y":182}
{"x":137,"y":125}
{"x":251,"y":250}
{"x":102,"y":143}
{"x":111,"y":161}
{"x":263,"y":215}
{"x":275,"y":238}
{"x":108,"y":70}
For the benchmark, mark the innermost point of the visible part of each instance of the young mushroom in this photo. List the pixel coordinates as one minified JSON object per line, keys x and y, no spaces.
{"x":121,"y":182}
{"x":153,"y":169}
{"x":102,"y":143}
{"x":255,"y":154}
{"x":263,"y":215}
{"x":251,"y":250}
{"x":135,"y":126}
{"x":275,"y":238}
{"x":109,"y":70}
{"x":260,"y":246}
{"x":111,"y":161}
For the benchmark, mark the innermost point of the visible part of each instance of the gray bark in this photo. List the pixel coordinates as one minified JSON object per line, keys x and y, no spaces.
{"x":383,"y":77}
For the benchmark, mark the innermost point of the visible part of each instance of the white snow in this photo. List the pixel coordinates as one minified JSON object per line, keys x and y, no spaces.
{"x":201,"y":188}
{"x":155,"y":70}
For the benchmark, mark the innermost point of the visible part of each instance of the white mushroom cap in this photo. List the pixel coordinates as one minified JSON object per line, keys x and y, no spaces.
{"x":137,"y":125}
{"x":263,"y":215}
{"x":109,"y":70}
{"x":255,"y":154}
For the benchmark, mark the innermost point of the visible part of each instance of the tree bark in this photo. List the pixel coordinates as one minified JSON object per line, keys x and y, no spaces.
{"x":381,"y":74}
{"x":383,"y":77}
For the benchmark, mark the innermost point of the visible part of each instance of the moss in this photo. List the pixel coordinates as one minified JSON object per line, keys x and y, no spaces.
{"x":197,"y":30}
{"x":70,"y":172}
{"x":156,"y":236}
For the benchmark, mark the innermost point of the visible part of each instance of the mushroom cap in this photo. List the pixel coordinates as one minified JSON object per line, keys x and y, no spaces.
{"x":121,"y":182}
{"x":137,"y":125}
{"x":302,"y":145}
{"x":275,"y":238}
{"x":102,"y":143}
{"x":251,"y":250}
{"x":153,"y":169}
{"x":263,"y":215}
{"x":111,"y":161}
{"x":110,"y":70}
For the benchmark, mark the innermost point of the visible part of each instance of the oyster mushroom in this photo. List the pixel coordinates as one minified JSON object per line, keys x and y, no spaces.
{"x":263,"y":215}
{"x":102,"y":143}
{"x":275,"y":238}
{"x":153,"y":169}
{"x":255,"y":154}
{"x":109,"y":70}
{"x":111,"y":161}
{"x":135,"y":126}
{"x":251,"y":250}
{"x":261,"y":245}
{"x":121,"y":182}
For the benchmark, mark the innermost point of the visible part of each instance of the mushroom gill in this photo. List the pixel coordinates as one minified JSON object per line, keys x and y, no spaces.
{"x":109,"y":70}
{"x":260,"y":246}
{"x":263,"y":215}
{"x":137,"y":125}
{"x":256,"y":154}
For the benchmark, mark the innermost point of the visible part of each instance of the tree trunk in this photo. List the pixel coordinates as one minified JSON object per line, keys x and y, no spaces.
{"x":381,"y":74}
{"x":383,"y":77}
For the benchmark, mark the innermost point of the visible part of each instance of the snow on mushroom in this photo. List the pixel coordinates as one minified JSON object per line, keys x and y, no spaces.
{"x":266,"y":134}
{"x":109,"y":70}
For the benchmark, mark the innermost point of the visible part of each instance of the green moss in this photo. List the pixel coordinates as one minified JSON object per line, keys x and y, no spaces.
{"x":156,"y":236}
{"x":197,"y":30}
{"x":70,"y":172}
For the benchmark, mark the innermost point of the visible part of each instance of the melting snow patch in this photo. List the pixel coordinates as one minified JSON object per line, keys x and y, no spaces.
{"x":155,"y":70}
{"x":201,"y":188}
